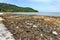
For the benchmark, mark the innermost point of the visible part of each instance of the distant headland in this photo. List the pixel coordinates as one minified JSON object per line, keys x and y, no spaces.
{"x":4,"y":7}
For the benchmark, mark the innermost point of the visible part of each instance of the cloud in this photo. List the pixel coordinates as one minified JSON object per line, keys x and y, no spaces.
{"x":1,"y":0}
{"x":40,"y":0}
{"x":51,"y":9}
{"x":48,"y":5}
{"x":41,"y":5}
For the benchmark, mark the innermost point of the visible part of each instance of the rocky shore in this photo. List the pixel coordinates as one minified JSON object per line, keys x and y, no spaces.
{"x":33,"y":27}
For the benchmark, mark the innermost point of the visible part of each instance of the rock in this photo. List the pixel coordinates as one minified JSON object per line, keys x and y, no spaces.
{"x":34,"y":26}
{"x":1,"y":13}
{"x":1,"y":19}
{"x":54,"y":32}
{"x":17,"y":27}
{"x":41,"y":35}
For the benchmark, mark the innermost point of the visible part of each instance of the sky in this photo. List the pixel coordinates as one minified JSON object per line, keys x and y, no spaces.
{"x":40,"y":5}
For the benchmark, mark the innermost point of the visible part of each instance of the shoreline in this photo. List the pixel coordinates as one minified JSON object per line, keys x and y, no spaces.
{"x":32,"y":26}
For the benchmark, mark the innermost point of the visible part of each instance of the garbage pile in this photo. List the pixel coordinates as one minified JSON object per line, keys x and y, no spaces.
{"x":32,"y":28}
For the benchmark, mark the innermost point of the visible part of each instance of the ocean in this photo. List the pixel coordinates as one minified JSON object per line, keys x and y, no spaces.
{"x":39,"y":13}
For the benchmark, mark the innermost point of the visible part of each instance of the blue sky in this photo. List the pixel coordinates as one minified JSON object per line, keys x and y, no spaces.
{"x":40,"y":5}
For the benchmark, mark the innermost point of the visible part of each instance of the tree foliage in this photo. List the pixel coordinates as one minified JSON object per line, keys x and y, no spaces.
{"x":4,"y":7}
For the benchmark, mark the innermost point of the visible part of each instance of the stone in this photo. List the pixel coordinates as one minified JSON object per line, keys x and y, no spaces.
{"x":54,"y":32}
{"x":34,"y":26}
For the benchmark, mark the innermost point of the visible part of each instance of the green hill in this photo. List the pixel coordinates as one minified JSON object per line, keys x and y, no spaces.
{"x":4,"y":7}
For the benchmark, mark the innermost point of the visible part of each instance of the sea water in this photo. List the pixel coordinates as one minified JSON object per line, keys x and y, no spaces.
{"x":39,"y":13}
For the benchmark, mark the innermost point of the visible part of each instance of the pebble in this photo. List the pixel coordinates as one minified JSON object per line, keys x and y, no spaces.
{"x":29,"y":23}
{"x":55,"y":33}
{"x":1,"y":13}
{"x":41,"y":35}
{"x":17,"y":27}
{"x":1,"y":18}
{"x":34,"y":26}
